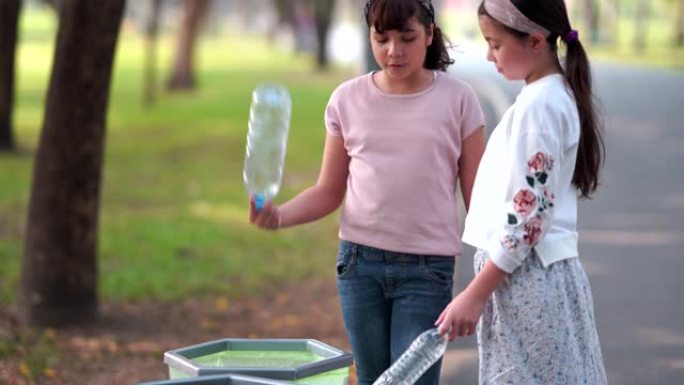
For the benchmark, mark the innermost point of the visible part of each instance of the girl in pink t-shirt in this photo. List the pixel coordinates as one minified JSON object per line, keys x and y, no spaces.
{"x":398,"y":140}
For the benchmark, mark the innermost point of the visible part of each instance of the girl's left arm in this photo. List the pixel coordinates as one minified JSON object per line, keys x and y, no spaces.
{"x":531,"y":182}
{"x":472,"y":149}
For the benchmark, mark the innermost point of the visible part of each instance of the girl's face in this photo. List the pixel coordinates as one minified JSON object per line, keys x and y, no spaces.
{"x":513,"y":57}
{"x":401,"y":54}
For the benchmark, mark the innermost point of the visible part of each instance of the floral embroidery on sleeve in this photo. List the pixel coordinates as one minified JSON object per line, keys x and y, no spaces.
{"x":530,"y":205}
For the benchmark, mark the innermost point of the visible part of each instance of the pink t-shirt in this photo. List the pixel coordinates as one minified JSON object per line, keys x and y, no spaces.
{"x":404,"y":152}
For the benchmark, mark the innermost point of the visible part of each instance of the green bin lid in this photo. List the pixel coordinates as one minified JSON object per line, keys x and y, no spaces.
{"x":284,"y":359}
{"x":220,"y":379}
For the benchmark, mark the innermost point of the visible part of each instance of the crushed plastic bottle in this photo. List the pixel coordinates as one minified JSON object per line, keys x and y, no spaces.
{"x":423,"y":352}
{"x":269,"y":124}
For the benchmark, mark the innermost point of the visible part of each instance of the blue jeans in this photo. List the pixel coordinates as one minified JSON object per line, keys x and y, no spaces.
{"x":387,"y":300}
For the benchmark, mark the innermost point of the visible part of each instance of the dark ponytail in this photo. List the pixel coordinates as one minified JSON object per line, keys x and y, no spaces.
{"x":590,"y":152}
{"x":552,"y":15}
{"x":386,"y":15}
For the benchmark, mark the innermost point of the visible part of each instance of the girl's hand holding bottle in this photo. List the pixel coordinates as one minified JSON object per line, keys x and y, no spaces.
{"x":460,"y":317}
{"x":267,"y":218}
{"x":464,"y":311}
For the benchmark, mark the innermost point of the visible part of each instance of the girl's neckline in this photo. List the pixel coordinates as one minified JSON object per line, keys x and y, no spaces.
{"x":545,"y":79}
{"x":379,"y":91}
{"x":541,"y":82}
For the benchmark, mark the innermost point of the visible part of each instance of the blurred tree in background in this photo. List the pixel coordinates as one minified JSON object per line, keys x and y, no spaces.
{"x":9,"y":18}
{"x":301,"y":22}
{"x":53,"y":3}
{"x":182,"y":76}
{"x":590,"y":17}
{"x":323,"y":13}
{"x":637,"y":24}
{"x":611,"y":19}
{"x":643,"y":9}
{"x":285,"y":17}
{"x":59,"y":272}
{"x":151,"y":41}
{"x":679,"y":23}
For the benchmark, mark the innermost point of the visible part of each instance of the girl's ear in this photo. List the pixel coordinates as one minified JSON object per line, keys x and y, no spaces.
{"x":431,"y":34}
{"x":537,"y":40}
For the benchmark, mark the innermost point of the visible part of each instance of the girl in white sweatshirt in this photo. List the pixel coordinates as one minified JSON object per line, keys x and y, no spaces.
{"x":530,"y":297}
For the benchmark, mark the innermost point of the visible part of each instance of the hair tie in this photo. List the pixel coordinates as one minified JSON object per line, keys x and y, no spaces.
{"x":571,"y":37}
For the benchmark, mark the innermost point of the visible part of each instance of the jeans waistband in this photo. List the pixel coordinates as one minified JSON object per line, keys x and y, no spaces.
{"x":375,"y":254}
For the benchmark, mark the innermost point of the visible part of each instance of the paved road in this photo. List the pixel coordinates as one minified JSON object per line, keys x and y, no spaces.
{"x":631,"y":233}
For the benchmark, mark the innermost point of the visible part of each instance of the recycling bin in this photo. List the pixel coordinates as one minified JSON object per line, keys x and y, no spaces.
{"x":298,"y":361}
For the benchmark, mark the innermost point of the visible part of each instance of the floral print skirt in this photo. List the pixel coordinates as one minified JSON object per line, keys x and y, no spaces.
{"x":538,"y":327}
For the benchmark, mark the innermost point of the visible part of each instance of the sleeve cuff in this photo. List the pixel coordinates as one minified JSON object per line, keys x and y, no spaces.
{"x":502,"y":259}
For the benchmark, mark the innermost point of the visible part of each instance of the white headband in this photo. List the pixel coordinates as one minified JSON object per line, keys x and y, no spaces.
{"x":509,"y":15}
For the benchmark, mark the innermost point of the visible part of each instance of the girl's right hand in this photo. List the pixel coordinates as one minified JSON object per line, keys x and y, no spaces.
{"x":268,"y":218}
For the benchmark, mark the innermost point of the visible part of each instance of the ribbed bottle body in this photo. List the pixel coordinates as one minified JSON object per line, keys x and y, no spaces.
{"x":423,"y":352}
{"x":269,"y":124}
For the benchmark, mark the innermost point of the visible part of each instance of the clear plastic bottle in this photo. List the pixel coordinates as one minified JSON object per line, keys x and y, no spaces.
{"x":423,"y":352}
{"x":269,"y":124}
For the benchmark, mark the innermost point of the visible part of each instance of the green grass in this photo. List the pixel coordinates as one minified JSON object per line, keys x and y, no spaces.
{"x":173,"y":219}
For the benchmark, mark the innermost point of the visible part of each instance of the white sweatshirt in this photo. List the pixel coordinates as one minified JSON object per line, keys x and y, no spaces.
{"x":523,"y":197}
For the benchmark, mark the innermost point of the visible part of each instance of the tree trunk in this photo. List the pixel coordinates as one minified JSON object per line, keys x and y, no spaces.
{"x":679,"y":28}
{"x":9,"y":17}
{"x":183,"y":77}
{"x":611,"y":27}
{"x":323,"y":12}
{"x":151,"y":38}
{"x":284,"y":20}
{"x":591,"y":21}
{"x":641,"y":25}
{"x":59,"y":269}
{"x":53,"y":3}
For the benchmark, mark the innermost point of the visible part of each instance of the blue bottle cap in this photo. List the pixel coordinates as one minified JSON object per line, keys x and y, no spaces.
{"x":259,"y":201}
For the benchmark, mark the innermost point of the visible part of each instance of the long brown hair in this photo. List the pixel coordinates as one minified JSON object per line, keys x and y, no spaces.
{"x":386,"y":15}
{"x":553,"y":15}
